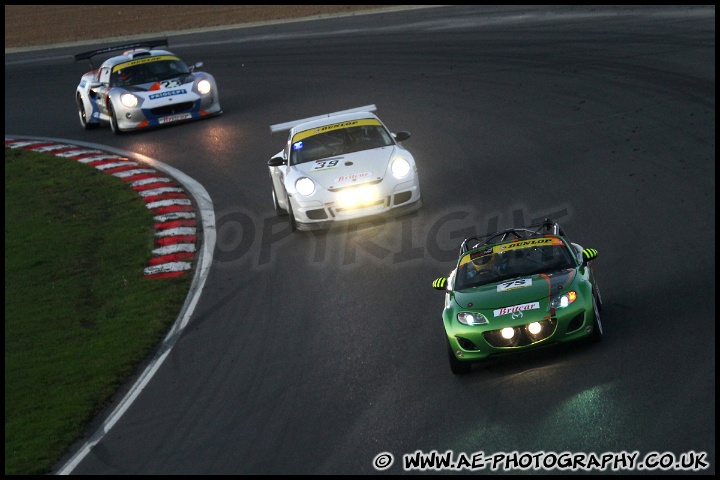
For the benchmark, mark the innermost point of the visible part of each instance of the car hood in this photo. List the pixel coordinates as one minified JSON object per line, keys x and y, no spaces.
{"x":517,"y":291}
{"x":348,"y":169}
{"x":164,"y":88}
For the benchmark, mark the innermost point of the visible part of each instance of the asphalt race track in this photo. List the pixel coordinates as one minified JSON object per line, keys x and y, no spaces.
{"x":314,"y":353}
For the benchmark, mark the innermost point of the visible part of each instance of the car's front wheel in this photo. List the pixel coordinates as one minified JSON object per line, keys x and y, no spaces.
{"x":456,"y":366}
{"x":113,"y":120}
{"x":598,"y":296}
{"x":597,"y":332}
{"x":293,"y":223}
{"x":83,"y":115}
{"x":278,"y":210}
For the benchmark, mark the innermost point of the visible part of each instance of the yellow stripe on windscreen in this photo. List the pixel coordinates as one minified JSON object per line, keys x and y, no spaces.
{"x":140,"y":61}
{"x":335,"y":126}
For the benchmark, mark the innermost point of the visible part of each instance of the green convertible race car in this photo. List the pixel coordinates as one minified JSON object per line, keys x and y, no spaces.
{"x":517,"y":290}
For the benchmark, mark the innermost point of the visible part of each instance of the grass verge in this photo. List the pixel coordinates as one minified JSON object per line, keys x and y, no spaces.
{"x":79,"y":314}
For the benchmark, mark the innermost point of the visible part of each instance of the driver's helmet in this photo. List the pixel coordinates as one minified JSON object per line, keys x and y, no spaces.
{"x":481,"y":260}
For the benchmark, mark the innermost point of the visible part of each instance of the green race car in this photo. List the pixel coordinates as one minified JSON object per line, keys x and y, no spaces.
{"x":517,"y":290}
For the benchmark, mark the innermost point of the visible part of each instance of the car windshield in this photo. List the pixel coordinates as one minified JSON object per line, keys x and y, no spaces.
{"x":339,"y":139}
{"x":510,"y":260}
{"x":153,"y":69}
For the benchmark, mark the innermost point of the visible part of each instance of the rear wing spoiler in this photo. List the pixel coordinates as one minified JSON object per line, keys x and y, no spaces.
{"x":158,"y":42}
{"x":288,"y":125}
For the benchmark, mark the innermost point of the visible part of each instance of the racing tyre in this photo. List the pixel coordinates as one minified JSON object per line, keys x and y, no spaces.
{"x":599,"y":297}
{"x":83,"y":115}
{"x":113,"y":121}
{"x":293,"y":223}
{"x":597,"y":332}
{"x":278,"y":210}
{"x":456,"y":366}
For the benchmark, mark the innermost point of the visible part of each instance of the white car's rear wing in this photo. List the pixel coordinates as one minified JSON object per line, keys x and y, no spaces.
{"x":288,"y":125}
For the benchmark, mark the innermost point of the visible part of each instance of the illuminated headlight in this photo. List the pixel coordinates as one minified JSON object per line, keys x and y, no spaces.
{"x":562,"y":301}
{"x":507,"y":333}
{"x":204,"y":87}
{"x":400,"y":168}
{"x":353,"y":197}
{"x":534,"y":328}
{"x":305,"y":186}
{"x":469,"y":318}
{"x":129,"y":100}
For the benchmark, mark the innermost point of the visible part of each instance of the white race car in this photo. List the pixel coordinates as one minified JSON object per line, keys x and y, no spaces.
{"x":143,"y":87}
{"x":342,"y":166}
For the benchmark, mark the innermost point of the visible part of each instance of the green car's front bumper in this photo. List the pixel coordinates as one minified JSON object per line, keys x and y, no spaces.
{"x":478,"y":342}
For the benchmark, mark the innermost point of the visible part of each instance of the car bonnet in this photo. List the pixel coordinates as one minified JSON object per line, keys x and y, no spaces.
{"x":517,"y":291}
{"x":180,"y":85}
{"x":349,"y":169}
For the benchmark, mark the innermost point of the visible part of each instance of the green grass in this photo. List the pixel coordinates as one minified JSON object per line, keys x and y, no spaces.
{"x":79,"y":314}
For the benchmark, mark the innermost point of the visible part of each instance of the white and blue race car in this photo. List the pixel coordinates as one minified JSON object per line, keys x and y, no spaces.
{"x":342,"y":166}
{"x":143,"y":87}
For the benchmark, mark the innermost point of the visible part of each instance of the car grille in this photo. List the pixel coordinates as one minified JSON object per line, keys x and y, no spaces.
{"x":402,"y":197}
{"x":576,"y":322}
{"x":172,"y":109}
{"x":522,"y":337}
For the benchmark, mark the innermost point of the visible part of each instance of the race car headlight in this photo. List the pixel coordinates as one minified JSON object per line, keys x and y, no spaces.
{"x":472,"y":318}
{"x":305,"y":186}
{"x":204,"y":87}
{"x":534,"y":328}
{"x":563,"y":300}
{"x":400,"y":168}
{"x":507,"y":333}
{"x":355,"y":197}
{"x":129,"y":100}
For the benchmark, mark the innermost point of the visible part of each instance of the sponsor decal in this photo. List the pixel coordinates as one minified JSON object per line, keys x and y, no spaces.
{"x":353,"y":176}
{"x":325,"y":164}
{"x":535,"y":242}
{"x":140,"y":61}
{"x":516,"y":315}
{"x":175,"y":118}
{"x":516,"y":308}
{"x":335,"y":126}
{"x":513,"y":284}
{"x":170,"y":93}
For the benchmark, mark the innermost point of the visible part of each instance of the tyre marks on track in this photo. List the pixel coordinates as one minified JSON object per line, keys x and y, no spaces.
{"x":176,"y":222}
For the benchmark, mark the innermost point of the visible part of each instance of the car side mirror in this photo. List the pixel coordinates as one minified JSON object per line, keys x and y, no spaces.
{"x":197,"y":66}
{"x":402,"y":136}
{"x":276,"y":162}
{"x":439,"y":283}
{"x":94,"y":84}
{"x":589,"y":254}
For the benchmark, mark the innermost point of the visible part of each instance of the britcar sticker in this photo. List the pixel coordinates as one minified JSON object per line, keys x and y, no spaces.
{"x":352,"y":176}
{"x":175,"y":118}
{"x":513,"y":284}
{"x":516,"y":308}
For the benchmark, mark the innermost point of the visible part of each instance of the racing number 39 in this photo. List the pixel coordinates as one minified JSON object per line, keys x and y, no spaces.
{"x":325,"y":164}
